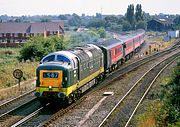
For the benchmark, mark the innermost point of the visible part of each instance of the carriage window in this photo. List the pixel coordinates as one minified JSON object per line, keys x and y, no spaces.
{"x":49,"y":58}
{"x":63,"y":59}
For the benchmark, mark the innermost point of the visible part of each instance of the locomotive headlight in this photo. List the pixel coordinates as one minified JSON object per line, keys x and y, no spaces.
{"x":50,"y":87}
{"x":65,"y":78}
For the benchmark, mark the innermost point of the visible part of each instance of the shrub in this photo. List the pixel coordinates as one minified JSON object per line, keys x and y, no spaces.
{"x":38,"y":46}
{"x":170,"y":97}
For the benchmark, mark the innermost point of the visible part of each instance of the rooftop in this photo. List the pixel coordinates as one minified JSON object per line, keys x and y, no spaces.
{"x":39,"y":27}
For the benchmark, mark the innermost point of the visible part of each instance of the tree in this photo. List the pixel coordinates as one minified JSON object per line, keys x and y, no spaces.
{"x":75,"y":20}
{"x":33,"y":49}
{"x":126,"y":26}
{"x":38,"y":46}
{"x":177,"y":22}
{"x":97,"y":23}
{"x":111,"y":22}
{"x":115,"y":27}
{"x":130,"y":15}
{"x":45,"y":20}
{"x":141,"y":25}
{"x":98,"y":15}
{"x":138,"y":13}
{"x":112,"y":19}
{"x":18,"y":20}
{"x":62,"y":17}
{"x":101,"y":32}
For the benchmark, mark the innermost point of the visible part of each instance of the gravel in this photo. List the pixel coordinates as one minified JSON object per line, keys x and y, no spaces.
{"x":154,"y":90}
{"x":119,"y":87}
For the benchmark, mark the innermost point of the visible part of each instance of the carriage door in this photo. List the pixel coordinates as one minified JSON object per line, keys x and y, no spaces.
{"x":124,"y":50}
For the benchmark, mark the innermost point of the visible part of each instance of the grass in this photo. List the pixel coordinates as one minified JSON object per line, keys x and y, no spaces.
{"x":9,"y":62}
{"x":157,"y":44}
{"x":148,"y":118}
{"x":149,"y":113}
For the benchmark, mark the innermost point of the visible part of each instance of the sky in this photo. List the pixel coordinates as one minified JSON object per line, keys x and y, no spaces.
{"x":89,"y":7}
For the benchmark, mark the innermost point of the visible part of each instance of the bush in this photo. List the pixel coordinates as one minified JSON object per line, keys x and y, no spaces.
{"x":38,"y":46}
{"x":170,"y":97}
{"x":141,"y":25}
{"x":101,"y":32}
{"x":126,"y":26}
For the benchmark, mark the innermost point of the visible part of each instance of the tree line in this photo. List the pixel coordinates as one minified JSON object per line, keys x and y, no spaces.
{"x":37,"y":47}
{"x":133,"y":19}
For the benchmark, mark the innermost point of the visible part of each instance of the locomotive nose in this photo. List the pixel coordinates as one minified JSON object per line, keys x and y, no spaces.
{"x":51,"y":78}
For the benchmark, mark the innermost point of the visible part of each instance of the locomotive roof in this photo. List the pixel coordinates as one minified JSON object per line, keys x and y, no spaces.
{"x":86,"y":52}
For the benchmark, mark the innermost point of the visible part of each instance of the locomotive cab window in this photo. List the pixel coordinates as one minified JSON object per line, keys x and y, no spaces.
{"x":49,"y":58}
{"x":64,"y":59}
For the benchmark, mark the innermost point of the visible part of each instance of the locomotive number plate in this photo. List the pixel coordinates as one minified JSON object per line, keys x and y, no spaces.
{"x":50,"y":75}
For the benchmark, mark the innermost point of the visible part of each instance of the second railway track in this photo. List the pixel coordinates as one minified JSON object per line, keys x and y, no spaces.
{"x":50,"y":121}
{"x":19,"y":112}
{"x":124,"y":110}
{"x":124,"y":69}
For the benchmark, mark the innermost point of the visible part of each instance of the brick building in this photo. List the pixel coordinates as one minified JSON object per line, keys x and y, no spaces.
{"x":20,"y":32}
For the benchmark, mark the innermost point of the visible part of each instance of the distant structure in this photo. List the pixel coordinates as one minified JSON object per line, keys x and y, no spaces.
{"x":172,"y":34}
{"x":159,"y":25}
{"x":20,"y":32}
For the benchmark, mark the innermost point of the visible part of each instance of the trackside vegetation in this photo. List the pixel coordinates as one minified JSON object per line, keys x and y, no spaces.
{"x":163,"y":104}
{"x":169,"y":114}
{"x":38,"y":46}
{"x":9,"y":62}
{"x":28,"y":56}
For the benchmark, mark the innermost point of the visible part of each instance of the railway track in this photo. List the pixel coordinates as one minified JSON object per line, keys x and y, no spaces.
{"x":116,"y":74}
{"x":29,"y":117}
{"x":42,"y":114}
{"x":10,"y":104}
{"x":126,"y":68}
{"x":124,"y":110}
{"x":19,"y":112}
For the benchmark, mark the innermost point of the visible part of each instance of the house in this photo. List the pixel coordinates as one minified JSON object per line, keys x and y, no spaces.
{"x":159,"y":25}
{"x":20,"y":32}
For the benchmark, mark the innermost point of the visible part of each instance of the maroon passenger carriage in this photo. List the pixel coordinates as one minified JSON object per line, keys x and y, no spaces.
{"x":118,"y":50}
{"x":113,"y":53}
{"x":132,"y":43}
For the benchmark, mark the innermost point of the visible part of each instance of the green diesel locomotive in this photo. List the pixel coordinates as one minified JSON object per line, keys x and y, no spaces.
{"x":67,"y":74}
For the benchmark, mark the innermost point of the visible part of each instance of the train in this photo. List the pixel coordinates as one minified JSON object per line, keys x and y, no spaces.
{"x":65,"y":75}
